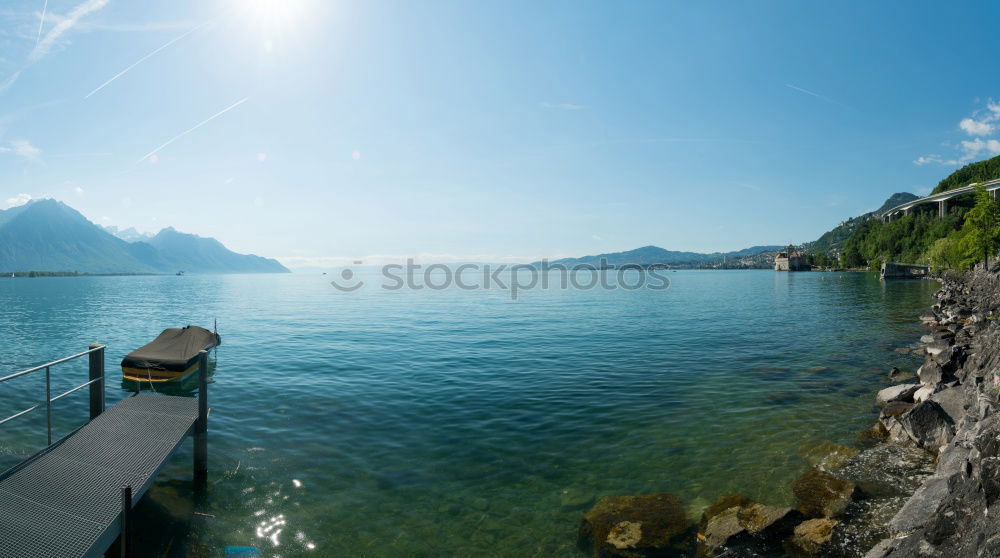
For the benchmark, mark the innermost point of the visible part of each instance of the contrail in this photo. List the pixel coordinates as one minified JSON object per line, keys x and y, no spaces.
{"x":41,"y":22}
{"x":817,"y":95}
{"x":141,"y":60}
{"x":193,"y":128}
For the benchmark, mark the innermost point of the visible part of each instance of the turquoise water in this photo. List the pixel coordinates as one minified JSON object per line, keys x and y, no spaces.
{"x":429,"y":423}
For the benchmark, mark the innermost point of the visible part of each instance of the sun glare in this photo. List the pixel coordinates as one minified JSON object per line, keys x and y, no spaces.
{"x":274,"y":15}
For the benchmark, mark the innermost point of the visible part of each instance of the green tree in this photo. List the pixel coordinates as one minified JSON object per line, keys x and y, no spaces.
{"x":981,"y":232}
{"x":946,"y":253}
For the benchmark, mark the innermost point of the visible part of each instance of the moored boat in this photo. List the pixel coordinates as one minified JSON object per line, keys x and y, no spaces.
{"x":171,"y":356}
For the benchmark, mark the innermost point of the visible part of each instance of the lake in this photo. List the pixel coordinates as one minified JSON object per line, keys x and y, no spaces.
{"x":463,"y":422}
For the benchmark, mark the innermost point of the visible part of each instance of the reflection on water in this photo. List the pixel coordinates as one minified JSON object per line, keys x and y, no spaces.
{"x":411,"y":423}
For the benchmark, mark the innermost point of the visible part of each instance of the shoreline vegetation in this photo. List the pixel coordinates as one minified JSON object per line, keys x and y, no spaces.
{"x":920,"y":481}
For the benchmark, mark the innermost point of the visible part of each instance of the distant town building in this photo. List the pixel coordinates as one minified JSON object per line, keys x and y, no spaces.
{"x":790,"y":260}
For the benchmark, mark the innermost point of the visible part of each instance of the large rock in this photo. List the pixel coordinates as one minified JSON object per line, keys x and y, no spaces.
{"x":952,"y":401}
{"x":896,"y":408}
{"x":636,"y":526}
{"x":931,"y":373}
{"x":923,"y":394}
{"x":937,"y":348}
{"x":812,"y":537}
{"x":747,"y":528}
{"x":929,"y":426}
{"x":821,"y":494}
{"x":902,"y":392}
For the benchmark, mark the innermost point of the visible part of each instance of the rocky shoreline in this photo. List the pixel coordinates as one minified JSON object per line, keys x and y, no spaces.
{"x":918,"y":483}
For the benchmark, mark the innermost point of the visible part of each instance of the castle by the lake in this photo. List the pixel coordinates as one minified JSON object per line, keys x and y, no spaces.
{"x":790,"y":260}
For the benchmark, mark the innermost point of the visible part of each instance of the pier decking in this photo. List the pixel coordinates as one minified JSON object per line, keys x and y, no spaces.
{"x":73,"y":498}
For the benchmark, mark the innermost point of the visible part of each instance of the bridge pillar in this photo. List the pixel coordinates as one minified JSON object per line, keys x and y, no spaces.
{"x":942,"y":208}
{"x":908,"y":211}
{"x":994,"y":194}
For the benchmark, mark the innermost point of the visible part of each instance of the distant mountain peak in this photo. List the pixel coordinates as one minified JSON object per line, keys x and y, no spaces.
{"x":896,"y":199}
{"x":48,"y":235}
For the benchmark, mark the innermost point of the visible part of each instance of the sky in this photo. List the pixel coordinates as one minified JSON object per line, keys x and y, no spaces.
{"x":319,"y":132}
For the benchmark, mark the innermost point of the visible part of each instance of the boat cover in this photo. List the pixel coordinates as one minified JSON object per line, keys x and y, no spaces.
{"x":175,"y":349}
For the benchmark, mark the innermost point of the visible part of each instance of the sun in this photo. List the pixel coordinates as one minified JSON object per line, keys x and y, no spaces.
{"x":273,"y":16}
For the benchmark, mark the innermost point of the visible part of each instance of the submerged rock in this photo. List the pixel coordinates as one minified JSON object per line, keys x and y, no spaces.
{"x":872,"y":436}
{"x":636,"y":526}
{"x":827,"y":455}
{"x":575,"y":498}
{"x":821,"y":494}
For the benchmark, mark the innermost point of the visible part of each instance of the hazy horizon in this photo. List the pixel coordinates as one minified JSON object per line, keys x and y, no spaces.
{"x":318,"y":133}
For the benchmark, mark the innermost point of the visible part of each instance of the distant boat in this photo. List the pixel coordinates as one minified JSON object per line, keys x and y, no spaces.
{"x":179,"y":273}
{"x":171,"y":356}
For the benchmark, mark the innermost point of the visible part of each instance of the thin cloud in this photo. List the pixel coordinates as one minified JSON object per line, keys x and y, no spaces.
{"x":144,"y":58}
{"x":814,"y":94}
{"x":41,"y":22}
{"x":81,"y":10}
{"x":5,"y":85}
{"x":193,"y":128}
{"x":22,"y":148}
{"x":17,"y":200}
{"x":63,"y":25}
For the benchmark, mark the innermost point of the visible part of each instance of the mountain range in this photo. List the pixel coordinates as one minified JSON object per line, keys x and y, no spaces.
{"x":654,"y":255}
{"x":830,"y":242}
{"x":48,"y":235}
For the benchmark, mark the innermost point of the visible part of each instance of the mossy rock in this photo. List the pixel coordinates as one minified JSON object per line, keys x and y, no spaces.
{"x":812,"y":537}
{"x":726,"y":502}
{"x":639,"y":526}
{"x":736,"y":524}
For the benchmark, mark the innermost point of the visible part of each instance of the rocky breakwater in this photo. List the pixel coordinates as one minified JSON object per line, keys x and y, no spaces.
{"x":843,"y":502}
{"x":919,"y":482}
{"x":951,"y":413}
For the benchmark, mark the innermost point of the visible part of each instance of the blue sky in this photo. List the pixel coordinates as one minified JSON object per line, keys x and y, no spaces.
{"x":316,"y":131}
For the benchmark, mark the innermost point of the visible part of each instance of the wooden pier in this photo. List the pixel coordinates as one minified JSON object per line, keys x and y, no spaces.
{"x":73,"y":499}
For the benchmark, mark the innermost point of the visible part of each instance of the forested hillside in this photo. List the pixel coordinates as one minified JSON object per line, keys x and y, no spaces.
{"x":979,"y":171}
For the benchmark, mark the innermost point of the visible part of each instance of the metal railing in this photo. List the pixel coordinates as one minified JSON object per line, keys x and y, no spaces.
{"x":96,"y":383}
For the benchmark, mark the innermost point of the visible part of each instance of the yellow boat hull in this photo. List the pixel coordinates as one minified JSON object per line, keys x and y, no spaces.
{"x":155,"y":376}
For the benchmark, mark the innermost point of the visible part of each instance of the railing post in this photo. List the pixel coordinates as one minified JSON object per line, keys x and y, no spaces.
{"x":96,"y":388}
{"x":48,"y":403}
{"x":201,"y":426}
{"x":124,"y":539}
